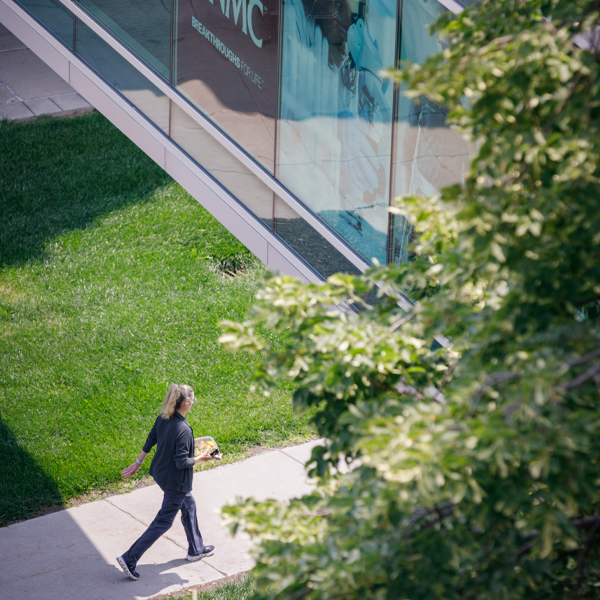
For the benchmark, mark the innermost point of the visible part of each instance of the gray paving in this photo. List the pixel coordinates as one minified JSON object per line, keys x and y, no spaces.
{"x":70,"y":555}
{"x":29,"y":88}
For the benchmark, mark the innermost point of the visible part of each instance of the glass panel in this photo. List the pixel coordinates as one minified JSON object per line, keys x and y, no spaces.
{"x":143,"y":25}
{"x":222,"y":165}
{"x":52,"y":15}
{"x":308,"y":243}
{"x":227,"y":63}
{"x":335,"y":129}
{"x":119,"y":73}
{"x":428,"y":154}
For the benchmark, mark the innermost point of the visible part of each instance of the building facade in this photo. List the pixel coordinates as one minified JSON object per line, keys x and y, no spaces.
{"x":273,"y":114}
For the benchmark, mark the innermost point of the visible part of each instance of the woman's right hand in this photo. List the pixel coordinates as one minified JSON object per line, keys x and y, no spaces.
{"x":204,"y":456}
{"x":130,"y":470}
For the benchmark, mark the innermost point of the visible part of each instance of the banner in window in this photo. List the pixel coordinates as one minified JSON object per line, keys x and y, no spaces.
{"x":227,"y":64}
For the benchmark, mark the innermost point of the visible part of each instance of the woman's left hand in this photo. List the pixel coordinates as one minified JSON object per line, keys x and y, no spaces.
{"x":204,"y":456}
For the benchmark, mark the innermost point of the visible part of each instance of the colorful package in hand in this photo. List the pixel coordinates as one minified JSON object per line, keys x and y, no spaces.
{"x":204,"y":443}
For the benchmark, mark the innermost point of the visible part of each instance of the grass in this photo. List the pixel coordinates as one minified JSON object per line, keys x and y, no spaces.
{"x":239,"y":589}
{"x":110,"y":290}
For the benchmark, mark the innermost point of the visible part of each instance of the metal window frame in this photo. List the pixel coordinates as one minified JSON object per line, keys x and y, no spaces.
{"x":452,"y":6}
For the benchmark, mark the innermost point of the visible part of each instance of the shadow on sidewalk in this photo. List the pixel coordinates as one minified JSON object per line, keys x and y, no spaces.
{"x":71,"y":554}
{"x":59,"y":175}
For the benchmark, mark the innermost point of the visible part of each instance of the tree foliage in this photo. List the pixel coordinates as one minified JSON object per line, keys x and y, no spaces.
{"x":475,"y":467}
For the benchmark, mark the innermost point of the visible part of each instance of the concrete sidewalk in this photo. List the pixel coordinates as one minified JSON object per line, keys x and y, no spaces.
{"x":70,"y":555}
{"x":29,"y":88}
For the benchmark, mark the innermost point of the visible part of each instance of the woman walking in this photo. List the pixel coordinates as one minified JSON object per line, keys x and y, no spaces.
{"x":172,"y":468}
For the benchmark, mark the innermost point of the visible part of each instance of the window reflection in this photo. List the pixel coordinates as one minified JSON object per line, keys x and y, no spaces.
{"x":53,"y":15}
{"x":308,"y":243}
{"x":428,"y":154}
{"x":227,"y":65}
{"x":142,"y":25}
{"x":335,"y":130}
{"x":222,"y":165}
{"x":122,"y":75}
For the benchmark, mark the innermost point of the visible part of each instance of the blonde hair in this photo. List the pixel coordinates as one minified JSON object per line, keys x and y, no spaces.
{"x":175,"y":397}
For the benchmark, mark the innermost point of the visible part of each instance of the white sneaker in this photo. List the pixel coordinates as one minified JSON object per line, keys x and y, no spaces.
{"x":130,"y":572}
{"x":208,"y":551}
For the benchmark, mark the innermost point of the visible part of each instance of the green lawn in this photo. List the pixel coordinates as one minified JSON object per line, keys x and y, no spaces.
{"x":110,"y":290}
{"x":239,"y":589}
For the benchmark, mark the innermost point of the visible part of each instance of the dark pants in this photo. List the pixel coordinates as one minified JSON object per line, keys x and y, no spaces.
{"x":172,"y":503}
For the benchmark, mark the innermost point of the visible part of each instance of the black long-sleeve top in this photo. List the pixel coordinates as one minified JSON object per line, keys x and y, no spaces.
{"x":173,"y":463}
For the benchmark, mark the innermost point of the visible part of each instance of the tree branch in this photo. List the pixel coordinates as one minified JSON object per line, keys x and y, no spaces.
{"x":528,"y":545}
{"x":401,"y":321}
{"x":581,"y":523}
{"x":510,"y":410}
{"x":300,"y":594}
{"x":408,"y":390}
{"x":442,"y":515}
{"x":560,"y":107}
{"x":505,"y":39}
{"x":586,"y":521}
{"x":491,"y":381}
{"x":581,"y":379}
{"x":313,"y":515}
{"x":523,"y":550}
{"x":429,"y":392}
{"x":447,"y":375}
{"x":583,"y":556}
{"x":443,"y":511}
{"x":588,"y":300}
{"x":583,"y":359}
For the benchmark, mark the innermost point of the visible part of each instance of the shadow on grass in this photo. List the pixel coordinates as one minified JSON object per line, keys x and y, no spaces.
{"x":57,"y":175}
{"x":24,"y":487}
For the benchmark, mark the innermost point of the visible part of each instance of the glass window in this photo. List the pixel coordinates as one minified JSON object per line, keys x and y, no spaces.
{"x":222,"y":165}
{"x":428,"y":154}
{"x":227,"y":65}
{"x":308,"y":243}
{"x":142,"y":25}
{"x":335,"y":128}
{"x":52,"y":15}
{"x":122,"y":75}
